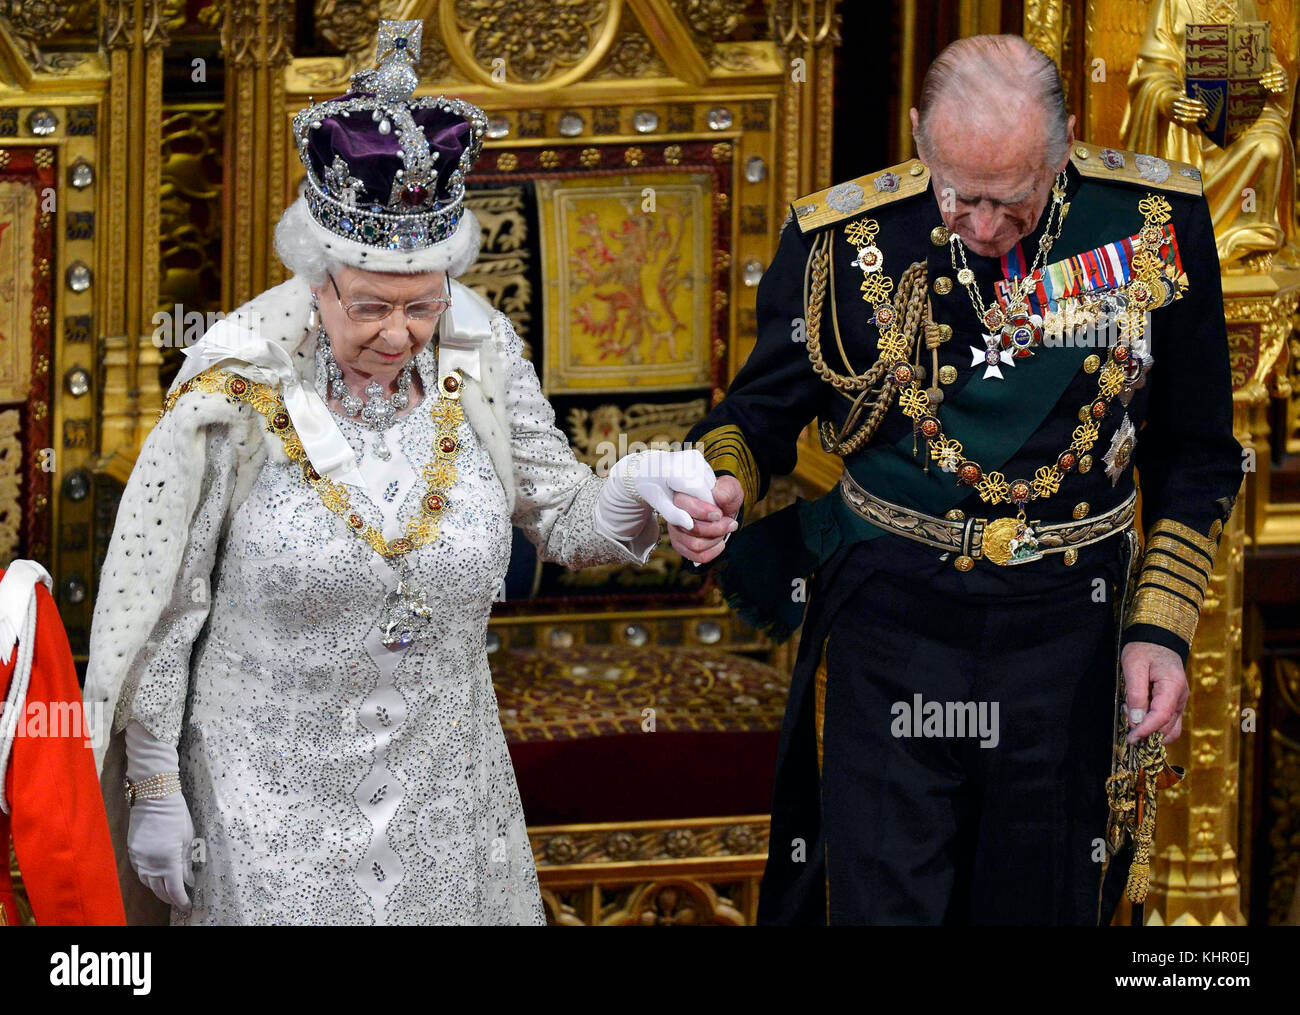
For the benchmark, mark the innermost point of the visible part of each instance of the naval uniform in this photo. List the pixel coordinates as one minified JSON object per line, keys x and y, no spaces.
{"x":874,"y":818}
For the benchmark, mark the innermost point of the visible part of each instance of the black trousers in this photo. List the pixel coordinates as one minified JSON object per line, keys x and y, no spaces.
{"x":901,"y":822}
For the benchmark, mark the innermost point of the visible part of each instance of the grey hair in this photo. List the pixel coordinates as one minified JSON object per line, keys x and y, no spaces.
{"x":301,"y":249}
{"x":994,"y":75}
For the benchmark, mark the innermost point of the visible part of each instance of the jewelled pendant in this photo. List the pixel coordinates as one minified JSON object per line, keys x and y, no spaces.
{"x":406,"y":614}
{"x":1009,"y":541}
{"x":992,"y":356}
{"x":381,"y":450}
{"x":1021,"y":332}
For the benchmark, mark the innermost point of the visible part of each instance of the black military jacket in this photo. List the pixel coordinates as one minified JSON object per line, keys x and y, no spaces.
{"x":1190,"y":465}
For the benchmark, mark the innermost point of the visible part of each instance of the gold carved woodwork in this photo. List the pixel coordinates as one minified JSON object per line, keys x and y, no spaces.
{"x":529,"y":43}
{"x":501,"y":273}
{"x":699,"y":871}
{"x":134,"y":37}
{"x":191,"y":241}
{"x":807,"y":31}
{"x":348,"y":26}
{"x":1194,"y":877}
{"x":1283,"y":758}
{"x":255,"y":39}
{"x":17,"y":211}
{"x":11,"y":483}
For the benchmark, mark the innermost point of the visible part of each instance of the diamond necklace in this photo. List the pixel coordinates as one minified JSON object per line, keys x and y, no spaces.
{"x":379,"y":409}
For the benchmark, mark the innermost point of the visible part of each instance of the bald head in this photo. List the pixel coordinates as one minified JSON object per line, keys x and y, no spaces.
{"x":996,"y":86}
{"x":993,"y":128}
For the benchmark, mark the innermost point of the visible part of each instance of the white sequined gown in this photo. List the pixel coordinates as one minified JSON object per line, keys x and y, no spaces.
{"x":332,"y":780}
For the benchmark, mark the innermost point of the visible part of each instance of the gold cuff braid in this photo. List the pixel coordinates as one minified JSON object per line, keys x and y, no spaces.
{"x":725,"y":450}
{"x":1175,"y":576}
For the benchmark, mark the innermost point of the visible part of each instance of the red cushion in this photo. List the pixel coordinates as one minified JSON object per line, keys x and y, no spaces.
{"x":574,"y":720}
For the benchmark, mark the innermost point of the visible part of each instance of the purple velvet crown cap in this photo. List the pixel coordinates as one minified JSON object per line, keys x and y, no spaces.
{"x":372,"y":156}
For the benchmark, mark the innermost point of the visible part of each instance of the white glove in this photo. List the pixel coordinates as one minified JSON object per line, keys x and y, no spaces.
{"x":161,"y":830}
{"x":651,"y":478}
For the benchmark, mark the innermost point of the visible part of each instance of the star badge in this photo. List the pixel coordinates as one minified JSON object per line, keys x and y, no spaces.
{"x":1121,"y":448}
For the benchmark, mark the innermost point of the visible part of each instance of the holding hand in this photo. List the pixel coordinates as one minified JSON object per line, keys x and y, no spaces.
{"x":711,"y":522}
{"x":650,"y":481}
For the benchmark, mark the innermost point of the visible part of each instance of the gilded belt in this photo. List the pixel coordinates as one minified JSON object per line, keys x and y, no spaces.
{"x":994,"y":539}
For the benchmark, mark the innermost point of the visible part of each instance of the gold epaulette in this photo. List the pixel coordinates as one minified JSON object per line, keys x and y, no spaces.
{"x":857,"y":196}
{"x":1102,"y":163}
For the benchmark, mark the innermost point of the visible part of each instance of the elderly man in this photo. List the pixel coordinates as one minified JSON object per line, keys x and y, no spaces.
{"x":982,"y":331}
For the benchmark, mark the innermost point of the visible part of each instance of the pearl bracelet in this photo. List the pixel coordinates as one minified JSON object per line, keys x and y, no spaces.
{"x":153,"y":788}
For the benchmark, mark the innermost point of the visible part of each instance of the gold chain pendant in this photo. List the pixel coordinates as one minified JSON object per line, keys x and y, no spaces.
{"x":439,"y":473}
{"x":1151,"y":274}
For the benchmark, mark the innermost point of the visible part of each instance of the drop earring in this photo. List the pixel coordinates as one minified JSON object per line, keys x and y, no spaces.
{"x":313,"y":316}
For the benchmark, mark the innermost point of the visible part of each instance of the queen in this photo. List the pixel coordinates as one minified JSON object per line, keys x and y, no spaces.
{"x":288,"y":647}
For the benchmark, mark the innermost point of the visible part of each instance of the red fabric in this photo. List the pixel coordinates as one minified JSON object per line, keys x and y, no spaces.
{"x":645,"y":776}
{"x":60,"y":830}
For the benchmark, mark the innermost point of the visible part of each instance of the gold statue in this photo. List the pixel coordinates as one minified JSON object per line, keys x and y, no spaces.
{"x":1250,"y":181}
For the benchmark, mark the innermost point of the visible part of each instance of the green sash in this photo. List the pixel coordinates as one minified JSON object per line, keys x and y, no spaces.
{"x":993,"y":419}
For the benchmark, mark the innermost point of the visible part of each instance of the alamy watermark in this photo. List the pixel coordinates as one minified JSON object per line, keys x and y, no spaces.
{"x":946,"y":720}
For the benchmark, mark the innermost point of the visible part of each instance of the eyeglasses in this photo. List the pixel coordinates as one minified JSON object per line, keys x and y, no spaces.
{"x":369,"y":311}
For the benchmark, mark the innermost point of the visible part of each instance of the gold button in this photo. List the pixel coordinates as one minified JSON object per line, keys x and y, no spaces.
{"x":947,"y":373}
{"x":956,"y":515}
{"x":945,"y":332}
{"x":965,"y":276}
{"x":939,"y":236}
{"x":1085,"y":414}
{"x":963,"y":563}
{"x":1085,"y":463}
{"x":1081,"y":509}
{"x":917,"y":169}
{"x":1091,"y":364}
{"x":1081,"y":151}
{"x":1071,"y":555}
{"x":943,"y":285}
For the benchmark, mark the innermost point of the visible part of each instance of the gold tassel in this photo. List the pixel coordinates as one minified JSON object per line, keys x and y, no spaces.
{"x":1139,"y":873}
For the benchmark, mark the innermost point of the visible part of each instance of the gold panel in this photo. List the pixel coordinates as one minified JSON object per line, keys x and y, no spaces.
{"x":17,"y":213}
{"x":630,"y":294}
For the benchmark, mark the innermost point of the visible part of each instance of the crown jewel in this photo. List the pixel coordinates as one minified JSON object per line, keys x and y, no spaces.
{"x":384,"y":168}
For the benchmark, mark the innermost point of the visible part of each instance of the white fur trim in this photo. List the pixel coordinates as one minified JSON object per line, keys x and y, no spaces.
{"x":305,"y":247}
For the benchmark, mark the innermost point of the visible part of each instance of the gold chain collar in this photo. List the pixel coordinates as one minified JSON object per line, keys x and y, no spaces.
{"x":439,"y":473}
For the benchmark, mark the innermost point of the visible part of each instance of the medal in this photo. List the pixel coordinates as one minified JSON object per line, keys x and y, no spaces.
{"x":406,"y":611}
{"x":992,"y":355}
{"x":1015,"y":327}
{"x":1010,"y":541}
